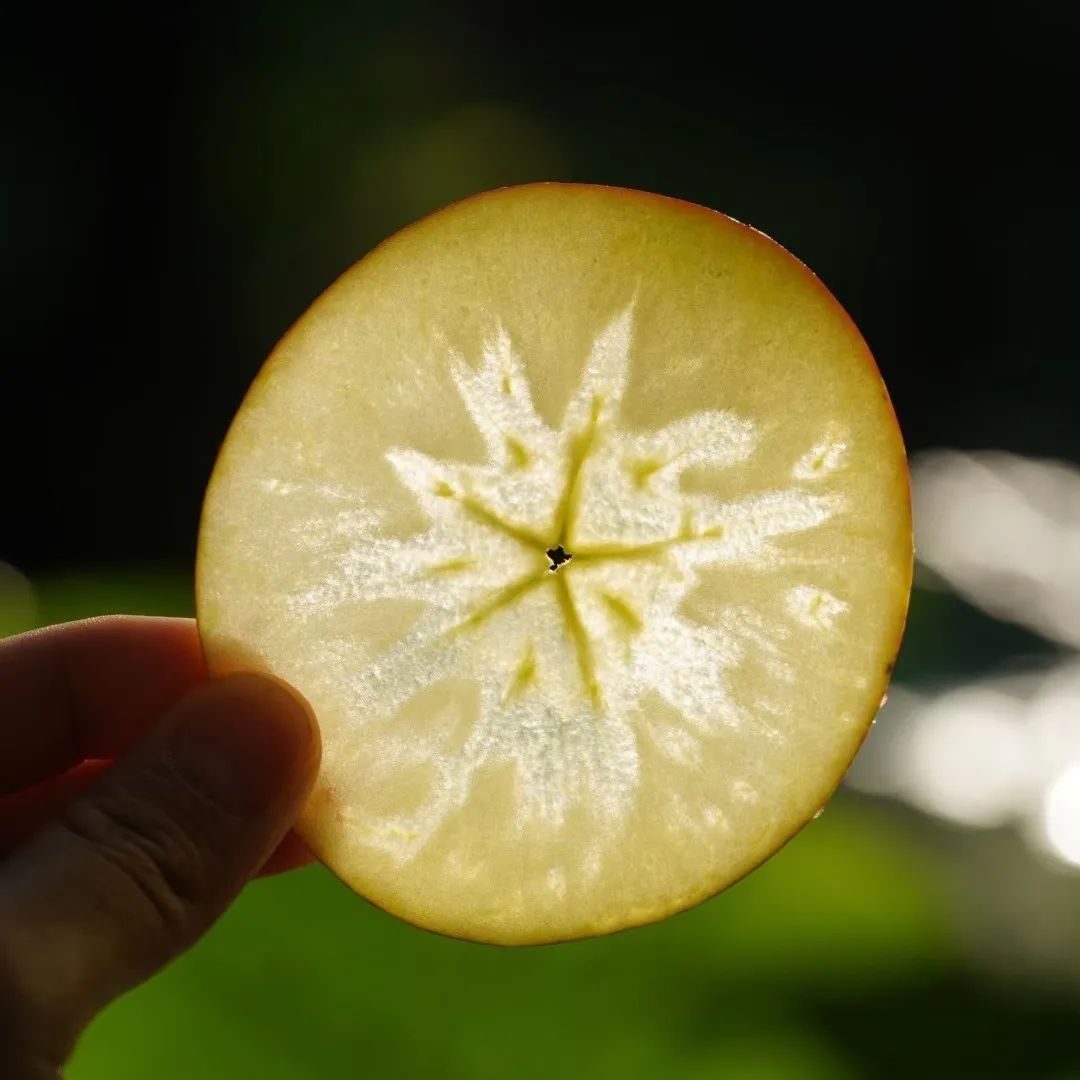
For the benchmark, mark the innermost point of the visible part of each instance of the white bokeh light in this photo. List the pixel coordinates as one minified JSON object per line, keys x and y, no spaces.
{"x":1061,"y":815}
{"x":1004,"y":531}
{"x":966,"y":757}
{"x":1003,"y":750}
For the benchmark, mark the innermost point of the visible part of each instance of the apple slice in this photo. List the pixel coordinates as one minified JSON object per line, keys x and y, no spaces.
{"x":581,"y":517}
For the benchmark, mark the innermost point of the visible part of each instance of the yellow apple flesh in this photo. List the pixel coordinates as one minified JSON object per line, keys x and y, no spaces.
{"x":581,"y":517}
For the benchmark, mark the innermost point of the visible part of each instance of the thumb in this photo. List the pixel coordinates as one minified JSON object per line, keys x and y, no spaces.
{"x":140,"y":866}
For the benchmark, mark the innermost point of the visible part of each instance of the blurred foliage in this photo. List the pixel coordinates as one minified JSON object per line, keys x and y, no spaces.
{"x":302,"y":979}
{"x":807,"y":970}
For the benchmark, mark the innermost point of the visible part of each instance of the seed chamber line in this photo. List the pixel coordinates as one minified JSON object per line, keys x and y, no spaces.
{"x":557,"y":557}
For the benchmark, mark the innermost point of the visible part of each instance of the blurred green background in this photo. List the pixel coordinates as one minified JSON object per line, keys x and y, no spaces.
{"x":177,"y":186}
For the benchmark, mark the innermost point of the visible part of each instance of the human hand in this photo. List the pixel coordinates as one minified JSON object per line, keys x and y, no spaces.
{"x":108,"y":872}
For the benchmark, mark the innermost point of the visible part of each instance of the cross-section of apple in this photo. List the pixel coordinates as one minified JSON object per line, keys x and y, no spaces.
{"x":581,"y":517}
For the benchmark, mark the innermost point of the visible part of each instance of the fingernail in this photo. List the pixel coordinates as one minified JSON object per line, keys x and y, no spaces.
{"x":244,"y":740}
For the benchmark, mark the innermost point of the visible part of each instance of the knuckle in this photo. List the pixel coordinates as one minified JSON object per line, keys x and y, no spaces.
{"x":153,"y":858}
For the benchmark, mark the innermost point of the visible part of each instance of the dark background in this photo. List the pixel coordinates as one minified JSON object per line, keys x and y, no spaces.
{"x":176,"y":188}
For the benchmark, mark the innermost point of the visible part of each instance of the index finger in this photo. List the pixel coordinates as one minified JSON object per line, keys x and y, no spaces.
{"x":88,"y":689}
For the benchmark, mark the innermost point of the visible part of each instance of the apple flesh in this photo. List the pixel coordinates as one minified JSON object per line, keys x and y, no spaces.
{"x":581,"y":517}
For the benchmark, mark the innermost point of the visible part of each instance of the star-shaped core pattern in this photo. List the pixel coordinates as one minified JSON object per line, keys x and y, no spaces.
{"x":552,"y":576}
